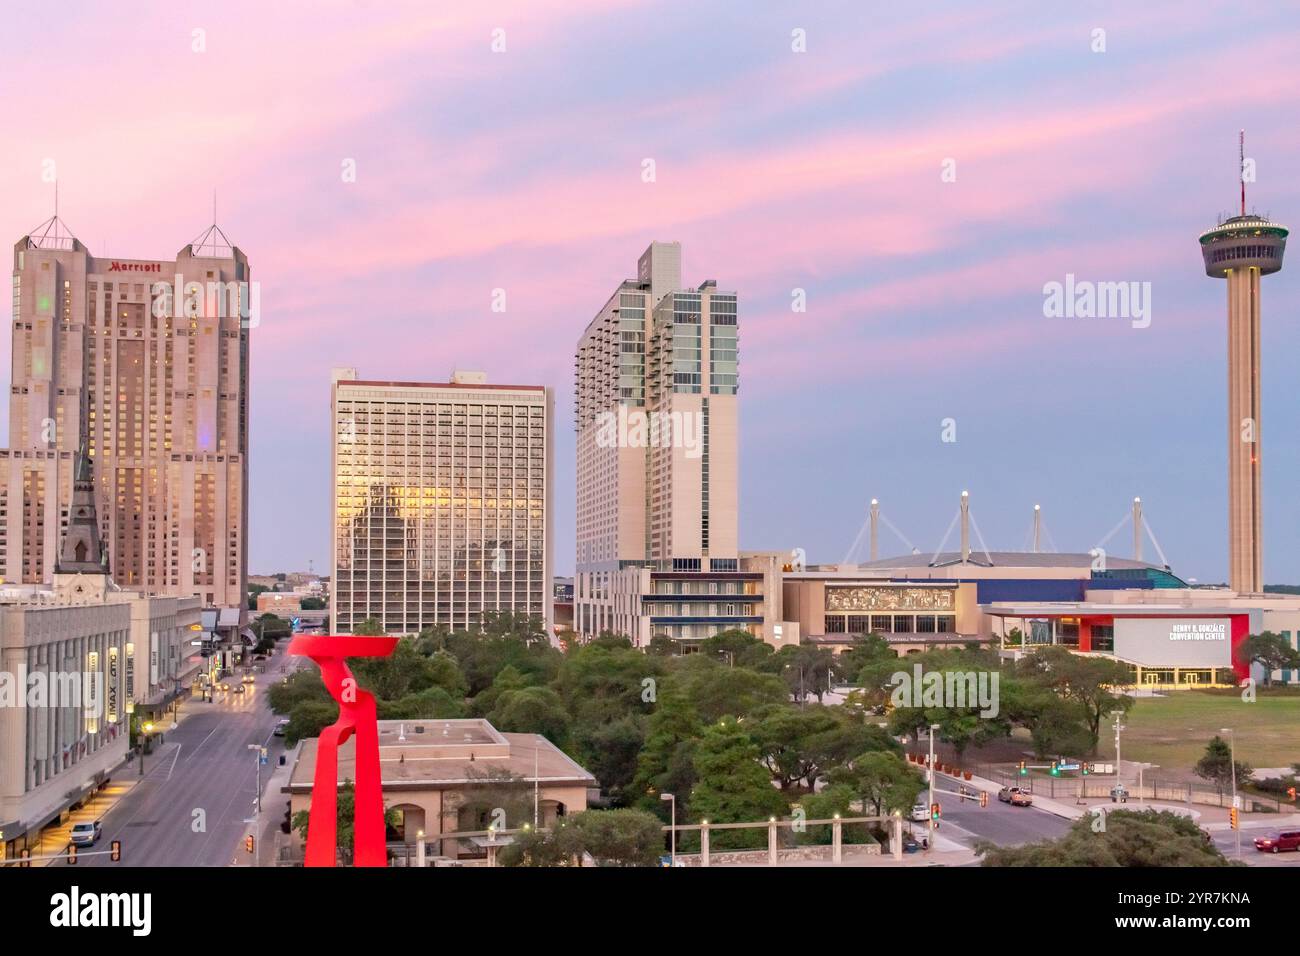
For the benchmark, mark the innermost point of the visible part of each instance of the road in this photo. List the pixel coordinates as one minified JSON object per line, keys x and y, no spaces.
{"x":199,"y":788}
{"x":965,"y":821}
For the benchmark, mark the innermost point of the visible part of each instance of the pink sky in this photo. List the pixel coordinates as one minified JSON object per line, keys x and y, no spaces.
{"x":777,"y":170}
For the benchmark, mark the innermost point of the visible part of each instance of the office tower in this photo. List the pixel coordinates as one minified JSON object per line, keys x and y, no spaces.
{"x":1241,"y":250}
{"x":442,"y":502}
{"x":656,"y":416}
{"x":147,"y":361}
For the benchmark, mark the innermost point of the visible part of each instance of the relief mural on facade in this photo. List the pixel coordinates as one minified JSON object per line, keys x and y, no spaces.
{"x":889,"y":599}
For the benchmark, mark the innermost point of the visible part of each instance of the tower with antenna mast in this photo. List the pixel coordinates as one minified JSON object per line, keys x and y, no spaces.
{"x":1242,"y":249}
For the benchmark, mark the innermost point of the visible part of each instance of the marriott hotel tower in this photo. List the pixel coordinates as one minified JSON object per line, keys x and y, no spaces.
{"x":156,"y":385}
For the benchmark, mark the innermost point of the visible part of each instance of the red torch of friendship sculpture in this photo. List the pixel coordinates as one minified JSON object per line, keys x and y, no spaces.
{"x":356,"y":717}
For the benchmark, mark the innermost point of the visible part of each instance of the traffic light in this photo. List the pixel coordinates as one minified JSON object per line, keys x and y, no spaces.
{"x":248,"y":843}
{"x":72,"y":854}
{"x":936,"y":811}
{"x":26,"y":857}
{"x":1085,"y":768}
{"x":1290,"y":793}
{"x":1055,"y":769}
{"x":1023,"y":771}
{"x":115,"y":851}
{"x":1232,"y":818}
{"x":984,"y":798}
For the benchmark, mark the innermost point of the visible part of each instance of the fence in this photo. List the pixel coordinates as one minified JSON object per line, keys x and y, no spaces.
{"x":778,"y":849}
{"x":1075,"y":786}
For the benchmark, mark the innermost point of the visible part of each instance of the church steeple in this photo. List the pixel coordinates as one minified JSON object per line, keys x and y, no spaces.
{"x":82,"y":551}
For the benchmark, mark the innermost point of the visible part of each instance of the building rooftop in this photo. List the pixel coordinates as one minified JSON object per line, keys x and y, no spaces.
{"x":978,"y":559}
{"x":443,"y":754}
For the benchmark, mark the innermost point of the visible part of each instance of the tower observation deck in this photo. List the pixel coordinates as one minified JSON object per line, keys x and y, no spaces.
{"x":1241,"y":250}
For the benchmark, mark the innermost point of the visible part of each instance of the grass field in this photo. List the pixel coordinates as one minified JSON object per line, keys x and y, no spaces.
{"x":1172,"y":731}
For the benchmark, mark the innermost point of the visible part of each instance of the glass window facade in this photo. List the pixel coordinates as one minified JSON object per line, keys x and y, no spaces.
{"x":440,"y":505}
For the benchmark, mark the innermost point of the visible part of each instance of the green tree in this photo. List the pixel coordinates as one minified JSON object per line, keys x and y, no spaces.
{"x":732,"y":786}
{"x":301,"y":685}
{"x":312,"y":604}
{"x":1271,"y":651}
{"x":432,"y":703}
{"x":800,"y":744}
{"x":737,"y":648}
{"x":1125,"y":838}
{"x":532,"y":710}
{"x":308,"y":718}
{"x":602,"y":681}
{"x":1216,"y":765}
{"x":538,"y":848}
{"x":1088,"y":681}
{"x":717,"y":690}
{"x":667,"y":760}
{"x":370,"y":627}
{"x":611,"y":750}
{"x":883,"y":781}
{"x":836,"y":799}
{"x":805,"y":669}
{"x":867,"y":650}
{"x":508,"y":678}
{"x":624,"y":837}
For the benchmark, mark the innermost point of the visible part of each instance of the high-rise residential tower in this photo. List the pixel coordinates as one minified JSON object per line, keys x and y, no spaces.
{"x":1241,"y":250}
{"x":657,"y":470}
{"x":146,"y":360}
{"x":442,"y":502}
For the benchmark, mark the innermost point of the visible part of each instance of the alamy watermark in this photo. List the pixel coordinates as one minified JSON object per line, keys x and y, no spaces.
{"x":217,"y":300}
{"x":39,"y":689}
{"x":954,"y":690}
{"x":637,"y":428}
{"x":1084,"y":299}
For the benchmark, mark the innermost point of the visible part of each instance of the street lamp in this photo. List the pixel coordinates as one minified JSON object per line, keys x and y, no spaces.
{"x":257,"y":756}
{"x":672,"y":832}
{"x":1232,"y":758}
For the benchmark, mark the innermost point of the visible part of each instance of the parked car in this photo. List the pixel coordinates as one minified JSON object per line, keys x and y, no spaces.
{"x":281,"y":726}
{"x":87,"y":833}
{"x":1016,"y":796}
{"x":920,"y":812}
{"x":1286,"y":840}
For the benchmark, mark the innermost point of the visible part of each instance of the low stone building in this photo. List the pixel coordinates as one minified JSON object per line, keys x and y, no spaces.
{"x":447,"y":776}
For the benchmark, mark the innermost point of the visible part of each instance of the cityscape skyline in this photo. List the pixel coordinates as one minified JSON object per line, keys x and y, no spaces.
{"x":772,"y":195}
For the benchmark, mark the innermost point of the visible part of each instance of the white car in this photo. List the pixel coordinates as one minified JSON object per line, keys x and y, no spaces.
{"x":920,"y":813}
{"x":87,"y":833}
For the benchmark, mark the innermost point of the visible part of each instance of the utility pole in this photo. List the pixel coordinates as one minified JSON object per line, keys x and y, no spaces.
{"x":257,"y":757}
{"x":930,"y":814}
{"x":1119,"y":763}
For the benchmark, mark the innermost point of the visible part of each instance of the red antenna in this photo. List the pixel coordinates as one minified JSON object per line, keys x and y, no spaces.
{"x":1241,"y":167}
